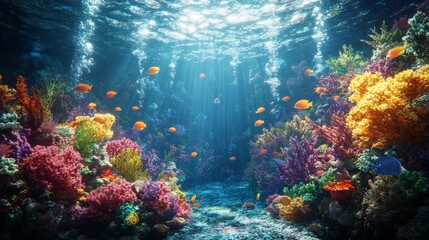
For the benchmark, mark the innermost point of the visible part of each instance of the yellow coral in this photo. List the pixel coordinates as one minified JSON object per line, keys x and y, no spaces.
{"x":129,"y":166}
{"x":383,"y":113}
{"x":101,"y":122}
{"x":295,"y":209}
{"x":132,"y":219}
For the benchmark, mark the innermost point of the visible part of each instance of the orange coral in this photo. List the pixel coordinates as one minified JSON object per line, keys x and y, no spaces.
{"x":6,"y":96}
{"x":33,"y":106}
{"x":384,"y":113}
{"x":101,"y":122}
{"x":340,"y":190}
{"x":293,"y":209}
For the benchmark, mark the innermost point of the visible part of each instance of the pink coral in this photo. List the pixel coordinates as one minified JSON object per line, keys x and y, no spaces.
{"x":115,"y":147}
{"x":58,"y":171}
{"x":103,"y":202}
{"x":183,"y":210}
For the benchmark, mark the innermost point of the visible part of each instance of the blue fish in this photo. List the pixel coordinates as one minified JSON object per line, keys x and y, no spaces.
{"x":388,"y":165}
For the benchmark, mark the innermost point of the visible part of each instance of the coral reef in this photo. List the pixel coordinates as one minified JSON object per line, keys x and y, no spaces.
{"x":102,"y":124}
{"x":383,"y":114}
{"x":18,"y":142}
{"x":417,"y":38}
{"x":385,"y":66}
{"x":128,"y":164}
{"x":115,"y":147}
{"x":152,"y":163}
{"x":7,"y":96}
{"x":348,"y":60}
{"x":308,"y":191}
{"x":9,"y":122}
{"x":341,"y":191}
{"x":8,"y":166}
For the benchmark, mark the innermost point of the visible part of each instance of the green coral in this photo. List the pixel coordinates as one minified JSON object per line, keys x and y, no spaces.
{"x":384,"y":40}
{"x":128,"y":164}
{"x":347,"y":60}
{"x":414,"y":181}
{"x":84,"y":140}
{"x":9,"y":122}
{"x":64,"y":131}
{"x":417,"y":38}
{"x":128,"y":213}
{"x":8,"y":166}
{"x":370,"y":156}
{"x":308,"y":191}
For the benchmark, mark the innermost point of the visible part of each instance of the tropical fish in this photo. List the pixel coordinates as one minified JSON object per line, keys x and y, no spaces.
{"x":80,"y":191}
{"x":92,"y":105}
{"x":110,"y":94}
{"x":263,"y":151}
{"x":135,"y":108}
{"x":202,"y":75}
{"x":320,"y":89}
{"x":396,"y":51}
{"x":336,"y":98}
{"x":258,"y":123}
{"x":193,"y":199}
{"x":286,"y":98}
{"x":232,"y":158}
{"x":260,"y":110}
{"x":308,"y":71}
{"x":194,"y":154}
{"x":98,"y":118}
{"x":307,"y":118}
{"x":342,"y":78}
{"x":82,"y":88}
{"x":82,"y":199}
{"x":388,"y":165}
{"x":277,"y":154}
{"x":258,"y":195}
{"x":303,"y":104}
{"x":197,"y":205}
{"x":172,"y":129}
{"x":117,"y":109}
{"x":216,"y":101}
{"x":139,"y":125}
{"x":153,"y":70}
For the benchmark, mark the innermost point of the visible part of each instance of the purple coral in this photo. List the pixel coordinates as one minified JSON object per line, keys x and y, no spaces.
{"x":384,"y":66}
{"x":115,"y":147}
{"x":152,"y":163}
{"x":302,"y":161}
{"x":400,"y":24}
{"x":180,"y":130}
{"x":326,"y":111}
{"x":18,"y":142}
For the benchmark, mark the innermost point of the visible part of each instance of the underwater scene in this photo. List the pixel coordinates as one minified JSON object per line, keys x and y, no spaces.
{"x":214,"y":119}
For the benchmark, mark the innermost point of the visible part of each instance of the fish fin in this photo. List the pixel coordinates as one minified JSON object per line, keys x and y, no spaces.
{"x":403,"y":169}
{"x":310,"y":104}
{"x":373,"y":166}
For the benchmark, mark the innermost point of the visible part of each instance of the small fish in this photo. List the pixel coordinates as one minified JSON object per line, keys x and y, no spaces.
{"x":286,"y":98}
{"x":258,"y":123}
{"x":82,"y":88}
{"x":82,"y":199}
{"x":80,"y":191}
{"x":216,"y":101}
{"x":110,"y":94}
{"x":308,"y":71}
{"x":135,"y":108}
{"x":319,"y":89}
{"x":232,"y":158}
{"x":197,"y":205}
{"x":342,"y":78}
{"x":193,"y":199}
{"x":277,"y":154}
{"x":388,"y":165}
{"x":172,"y":129}
{"x":153,"y":70}
{"x":98,"y":118}
{"x":202,"y":75}
{"x":194,"y":154}
{"x":396,"y":51}
{"x":263,"y":151}
{"x":307,"y":118}
{"x":92,"y":105}
{"x":258,"y":196}
{"x":303,"y":104}
{"x":139,"y":125}
{"x":260,"y":110}
{"x":117,"y":109}
{"x":336,"y":98}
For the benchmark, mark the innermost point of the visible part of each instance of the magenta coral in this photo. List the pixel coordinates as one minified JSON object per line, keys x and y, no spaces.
{"x":103,"y":202}
{"x":384,"y":66}
{"x":115,"y":147}
{"x":58,"y":171}
{"x":183,"y":209}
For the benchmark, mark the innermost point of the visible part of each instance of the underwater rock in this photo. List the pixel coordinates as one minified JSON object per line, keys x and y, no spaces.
{"x":160,"y":229}
{"x":177,"y":223}
{"x":416,"y":228}
{"x":315,"y":227}
{"x":343,"y":216}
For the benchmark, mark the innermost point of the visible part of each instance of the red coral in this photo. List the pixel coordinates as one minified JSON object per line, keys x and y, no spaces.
{"x":104,"y":201}
{"x":5,"y":150}
{"x":184,"y":209}
{"x":338,"y":135}
{"x":115,"y":147}
{"x":33,"y":106}
{"x":58,"y":171}
{"x":340,"y":190}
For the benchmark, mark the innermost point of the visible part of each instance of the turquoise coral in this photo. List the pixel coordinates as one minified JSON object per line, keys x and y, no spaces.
{"x":8,"y":166}
{"x":9,"y":122}
{"x":417,"y":38}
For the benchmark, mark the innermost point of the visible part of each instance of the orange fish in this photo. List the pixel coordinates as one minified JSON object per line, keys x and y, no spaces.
{"x":139,"y":125}
{"x":117,"y":109}
{"x":320,"y":89}
{"x":336,"y":98}
{"x":286,"y":98}
{"x":232,"y":158}
{"x":194,"y":154}
{"x":172,"y":129}
{"x":153,"y":70}
{"x":263,"y":151}
{"x":258,"y":196}
{"x":110,"y":94}
{"x":303,"y":104}
{"x":202,"y":75}
{"x":307,"y":118}
{"x":92,"y":105}
{"x":308,"y":71}
{"x":82,"y":199}
{"x":258,"y":123}
{"x":260,"y":110}
{"x":98,"y":118}
{"x":197,"y":205}
{"x":277,"y":154}
{"x":193,"y":199}
{"x":82,"y":88}
{"x":135,"y":108}
{"x":396,"y":51}
{"x":342,"y":78}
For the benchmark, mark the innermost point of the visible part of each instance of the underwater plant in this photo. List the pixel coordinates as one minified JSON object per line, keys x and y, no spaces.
{"x":348,"y":60}
{"x":128,"y":164}
{"x":84,"y":140}
{"x":308,"y":191}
